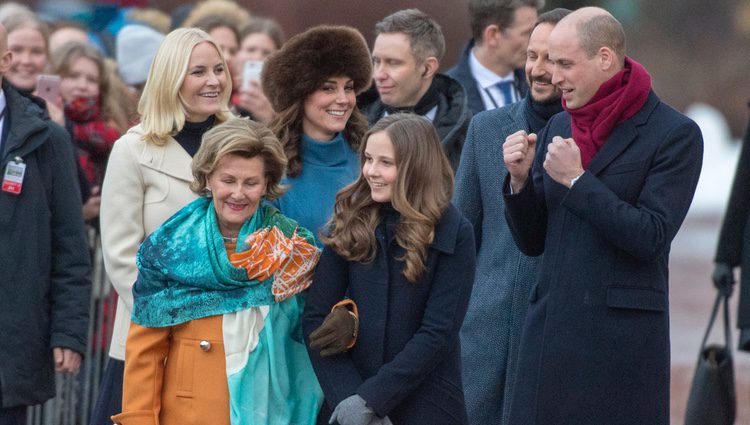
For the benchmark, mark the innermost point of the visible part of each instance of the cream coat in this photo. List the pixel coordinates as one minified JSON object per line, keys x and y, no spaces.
{"x":144,"y":185}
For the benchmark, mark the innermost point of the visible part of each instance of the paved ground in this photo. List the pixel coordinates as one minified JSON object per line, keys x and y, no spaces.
{"x":691,"y":299}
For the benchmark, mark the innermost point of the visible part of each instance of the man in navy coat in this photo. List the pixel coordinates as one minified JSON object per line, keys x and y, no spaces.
{"x":44,"y":259}
{"x":602,"y":198}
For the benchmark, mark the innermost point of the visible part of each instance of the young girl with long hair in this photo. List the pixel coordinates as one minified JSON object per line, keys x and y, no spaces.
{"x":399,"y":249}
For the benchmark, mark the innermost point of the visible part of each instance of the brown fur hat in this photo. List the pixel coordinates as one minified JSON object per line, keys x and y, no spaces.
{"x":308,"y":59}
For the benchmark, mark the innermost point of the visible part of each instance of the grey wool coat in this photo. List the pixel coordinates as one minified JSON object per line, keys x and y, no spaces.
{"x":490,"y":334}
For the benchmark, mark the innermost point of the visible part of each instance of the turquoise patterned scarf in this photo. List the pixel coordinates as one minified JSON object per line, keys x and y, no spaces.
{"x":185,"y":274}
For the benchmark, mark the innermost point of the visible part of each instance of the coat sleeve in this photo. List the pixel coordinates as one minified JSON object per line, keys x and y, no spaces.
{"x":444,"y":313}
{"x":121,"y":218}
{"x":456,"y":141}
{"x":733,"y":230}
{"x":645,"y":230}
{"x":468,"y":193}
{"x":70,"y":286}
{"x":337,"y":374}
{"x":526,"y":211}
{"x":143,"y":380}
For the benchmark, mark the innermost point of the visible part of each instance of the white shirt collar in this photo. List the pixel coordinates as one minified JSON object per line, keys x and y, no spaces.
{"x":3,"y":105}
{"x":2,"y":100}
{"x":484,"y":76}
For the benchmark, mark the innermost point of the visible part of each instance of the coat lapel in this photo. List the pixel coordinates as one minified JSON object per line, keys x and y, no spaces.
{"x":516,"y":121}
{"x":170,"y":159}
{"x":622,"y":136}
{"x":618,"y":141}
{"x":23,"y":123}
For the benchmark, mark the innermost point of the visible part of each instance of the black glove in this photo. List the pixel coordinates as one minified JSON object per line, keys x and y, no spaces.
{"x":723,"y":277}
{"x":336,"y":334}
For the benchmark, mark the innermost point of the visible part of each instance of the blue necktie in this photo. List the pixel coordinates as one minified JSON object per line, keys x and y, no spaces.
{"x":506,"y":87}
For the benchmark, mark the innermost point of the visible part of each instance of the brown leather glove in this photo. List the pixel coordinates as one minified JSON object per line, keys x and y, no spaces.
{"x":337,"y":333}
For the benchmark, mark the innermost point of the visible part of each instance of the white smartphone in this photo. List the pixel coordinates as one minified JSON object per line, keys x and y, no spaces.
{"x":251,"y":72}
{"x":48,"y":87}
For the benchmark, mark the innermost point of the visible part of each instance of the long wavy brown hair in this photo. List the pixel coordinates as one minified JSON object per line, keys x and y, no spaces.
{"x":423,"y":190}
{"x":113,"y":107}
{"x":287,"y":126}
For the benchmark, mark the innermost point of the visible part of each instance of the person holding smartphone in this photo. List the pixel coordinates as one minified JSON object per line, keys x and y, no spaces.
{"x":258,"y":39}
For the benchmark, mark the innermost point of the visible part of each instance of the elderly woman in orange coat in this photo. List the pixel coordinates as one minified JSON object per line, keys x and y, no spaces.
{"x":216,"y":335}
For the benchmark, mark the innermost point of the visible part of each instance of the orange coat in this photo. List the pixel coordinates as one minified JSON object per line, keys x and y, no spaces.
{"x":175,"y":375}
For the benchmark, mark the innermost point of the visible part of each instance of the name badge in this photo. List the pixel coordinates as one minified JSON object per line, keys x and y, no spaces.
{"x":13,"y":178}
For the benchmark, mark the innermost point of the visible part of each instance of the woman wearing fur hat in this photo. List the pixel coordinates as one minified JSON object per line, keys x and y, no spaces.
{"x":312,"y":83}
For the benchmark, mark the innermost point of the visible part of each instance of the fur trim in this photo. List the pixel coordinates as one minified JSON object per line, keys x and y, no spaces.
{"x":310,"y":58}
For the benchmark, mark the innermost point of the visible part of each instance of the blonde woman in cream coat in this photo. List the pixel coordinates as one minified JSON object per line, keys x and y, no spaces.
{"x":148,"y":174}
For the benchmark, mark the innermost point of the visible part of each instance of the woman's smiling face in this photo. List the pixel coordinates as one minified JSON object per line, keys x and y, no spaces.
{"x":237,"y":185}
{"x":327,"y":109}
{"x":205,"y":81}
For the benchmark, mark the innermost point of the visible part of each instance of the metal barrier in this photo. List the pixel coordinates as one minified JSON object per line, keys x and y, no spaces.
{"x":76,"y":394}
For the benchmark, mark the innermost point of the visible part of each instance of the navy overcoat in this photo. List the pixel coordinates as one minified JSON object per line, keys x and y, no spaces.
{"x":44,"y":258}
{"x":406,"y":363}
{"x":595,"y":344}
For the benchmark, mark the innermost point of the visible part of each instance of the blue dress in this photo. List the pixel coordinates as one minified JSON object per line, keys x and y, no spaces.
{"x":326,"y":168}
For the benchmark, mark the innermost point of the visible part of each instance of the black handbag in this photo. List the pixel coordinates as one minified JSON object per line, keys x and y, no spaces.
{"x":712,"y":399}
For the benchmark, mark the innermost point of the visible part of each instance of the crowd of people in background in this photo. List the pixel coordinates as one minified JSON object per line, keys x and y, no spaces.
{"x":315,"y":230}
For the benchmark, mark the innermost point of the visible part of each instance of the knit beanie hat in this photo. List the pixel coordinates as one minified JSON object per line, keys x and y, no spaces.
{"x":308,"y":59}
{"x":136,"y":48}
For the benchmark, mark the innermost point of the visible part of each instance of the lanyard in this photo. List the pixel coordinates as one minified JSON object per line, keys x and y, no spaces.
{"x":2,"y":132}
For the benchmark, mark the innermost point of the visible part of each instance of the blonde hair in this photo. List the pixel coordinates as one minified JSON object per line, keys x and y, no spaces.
{"x":245,"y":138}
{"x":422,"y":192}
{"x":63,"y":58}
{"x":21,"y":19}
{"x":161,"y":107}
{"x":123,"y":102}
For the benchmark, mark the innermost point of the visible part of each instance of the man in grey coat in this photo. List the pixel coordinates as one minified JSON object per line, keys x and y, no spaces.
{"x":492,"y":327}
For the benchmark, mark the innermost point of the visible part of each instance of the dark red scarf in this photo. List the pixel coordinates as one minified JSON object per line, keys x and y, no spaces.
{"x":617,"y":99}
{"x":93,"y":136}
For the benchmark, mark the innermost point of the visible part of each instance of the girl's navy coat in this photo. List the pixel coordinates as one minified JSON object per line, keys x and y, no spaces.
{"x":406,"y":362}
